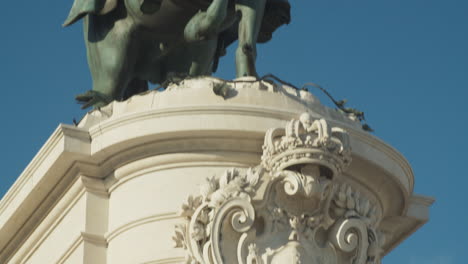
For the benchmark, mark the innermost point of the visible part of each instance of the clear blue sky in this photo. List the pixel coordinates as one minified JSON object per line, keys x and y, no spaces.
{"x":403,"y":62}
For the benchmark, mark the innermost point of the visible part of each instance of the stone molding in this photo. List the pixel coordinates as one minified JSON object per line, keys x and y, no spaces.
{"x":289,"y":209}
{"x":150,"y":219}
{"x":76,"y":243}
{"x":167,"y":261}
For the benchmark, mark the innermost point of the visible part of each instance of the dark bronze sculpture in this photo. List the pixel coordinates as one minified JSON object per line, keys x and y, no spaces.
{"x":131,"y":42}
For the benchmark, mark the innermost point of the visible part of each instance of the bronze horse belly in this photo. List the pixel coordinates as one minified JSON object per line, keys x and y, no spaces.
{"x":131,"y":42}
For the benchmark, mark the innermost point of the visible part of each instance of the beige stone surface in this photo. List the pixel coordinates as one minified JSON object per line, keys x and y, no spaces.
{"x":110,"y":190}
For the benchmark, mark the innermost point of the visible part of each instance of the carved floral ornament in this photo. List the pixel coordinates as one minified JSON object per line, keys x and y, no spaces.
{"x":289,"y":209}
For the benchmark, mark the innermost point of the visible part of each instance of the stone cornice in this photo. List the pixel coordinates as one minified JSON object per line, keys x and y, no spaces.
{"x":394,"y":162}
{"x":414,"y":218}
{"x":57,"y":143}
{"x":35,"y":189}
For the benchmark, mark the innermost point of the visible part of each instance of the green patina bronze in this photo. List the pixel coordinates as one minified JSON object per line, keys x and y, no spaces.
{"x":132,"y":42}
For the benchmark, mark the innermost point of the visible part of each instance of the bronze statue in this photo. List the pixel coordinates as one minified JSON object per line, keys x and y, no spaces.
{"x":131,"y":42}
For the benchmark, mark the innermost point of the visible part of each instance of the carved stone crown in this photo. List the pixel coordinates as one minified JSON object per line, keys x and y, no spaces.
{"x":305,"y":141}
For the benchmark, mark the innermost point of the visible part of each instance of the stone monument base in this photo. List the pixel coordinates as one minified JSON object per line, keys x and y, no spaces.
{"x":211,"y":171}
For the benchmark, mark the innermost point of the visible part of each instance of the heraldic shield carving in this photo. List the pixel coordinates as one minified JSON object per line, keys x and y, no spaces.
{"x":289,"y":209}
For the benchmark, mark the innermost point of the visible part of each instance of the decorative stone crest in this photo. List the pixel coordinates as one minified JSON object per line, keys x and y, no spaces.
{"x":289,"y":209}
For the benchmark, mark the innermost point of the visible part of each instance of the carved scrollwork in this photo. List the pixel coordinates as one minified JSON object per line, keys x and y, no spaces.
{"x":308,"y":182}
{"x":350,"y":235}
{"x":289,"y":209}
{"x":356,"y":221}
{"x":225,"y":197}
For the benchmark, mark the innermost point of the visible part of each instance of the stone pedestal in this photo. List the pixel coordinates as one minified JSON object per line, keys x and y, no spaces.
{"x":211,"y":171}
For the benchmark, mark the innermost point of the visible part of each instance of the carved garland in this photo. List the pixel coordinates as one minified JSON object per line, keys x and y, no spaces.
{"x":290,"y":209}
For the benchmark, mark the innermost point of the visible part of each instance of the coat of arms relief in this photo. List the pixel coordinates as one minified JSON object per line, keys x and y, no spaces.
{"x":294,"y":207}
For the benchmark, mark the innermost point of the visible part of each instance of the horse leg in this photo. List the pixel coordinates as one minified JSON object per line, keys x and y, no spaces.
{"x":109,"y":51}
{"x":249,"y":27}
{"x":202,"y":57}
{"x":206,"y":24}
